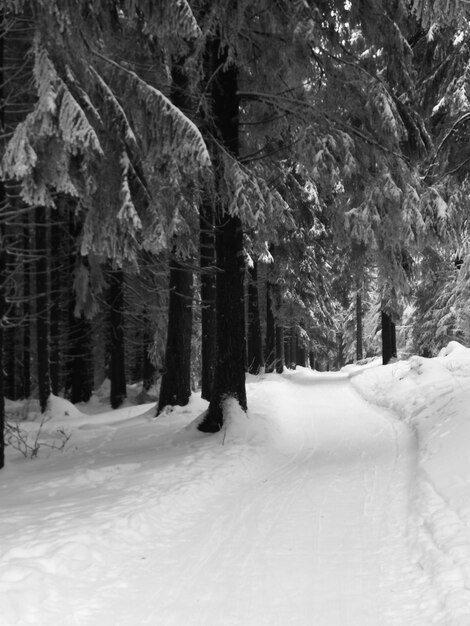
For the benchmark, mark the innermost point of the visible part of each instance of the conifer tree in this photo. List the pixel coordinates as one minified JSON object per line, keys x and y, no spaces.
{"x":229,"y":371}
{"x":175,"y":388}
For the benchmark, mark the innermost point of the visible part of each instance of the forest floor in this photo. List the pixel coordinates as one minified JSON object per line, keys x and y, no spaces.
{"x":340,"y":499}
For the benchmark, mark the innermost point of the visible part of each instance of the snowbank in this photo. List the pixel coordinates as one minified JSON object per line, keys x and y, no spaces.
{"x":433,"y":397}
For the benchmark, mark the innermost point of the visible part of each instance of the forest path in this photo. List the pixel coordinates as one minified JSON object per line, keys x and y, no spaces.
{"x":311,"y":529}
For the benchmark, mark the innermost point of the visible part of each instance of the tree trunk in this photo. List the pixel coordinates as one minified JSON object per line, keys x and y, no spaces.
{"x":340,"y":350}
{"x":2,"y":278}
{"x":117,"y":369}
{"x":255,"y":344}
{"x":289,"y":348}
{"x":293,"y":348}
{"x":279,"y":349}
{"x":311,"y":359}
{"x":56,"y":294}
{"x":148,"y":368}
{"x":175,"y":386}
{"x":42,"y":308}
{"x":2,"y":301}
{"x":300,"y":353}
{"x":26,"y":386}
{"x":359,"y":352}
{"x":176,"y":380}
{"x":229,"y":373}
{"x":389,"y":340}
{"x":9,"y":356}
{"x":271,"y":351}
{"x":80,"y":365}
{"x":208,"y":313}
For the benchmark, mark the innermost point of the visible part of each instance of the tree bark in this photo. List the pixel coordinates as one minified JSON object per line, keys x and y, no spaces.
{"x":148,"y":368}
{"x":26,"y":383}
{"x":117,"y":369}
{"x":56,"y":295}
{"x":229,"y":373}
{"x":389,"y":340}
{"x":289,"y":349}
{"x":271,"y":352}
{"x":2,"y":280}
{"x":359,"y":340}
{"x":42,"y":308}
{"x":255,"y":344}
{"x":9,"y":356}
{"x":300,"y":352}
{"x":80,"y":365}
{"x":279,"y":349}
{"x":340,"y":350}
{"x":2,"y":306}
{"x":293,"y":348}
{"x":208,"y":294}
{"x":311,"y":359}
{"x":176,"y":380}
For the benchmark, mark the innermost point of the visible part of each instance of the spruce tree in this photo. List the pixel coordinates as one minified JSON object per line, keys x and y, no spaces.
{"x":229,"y":371}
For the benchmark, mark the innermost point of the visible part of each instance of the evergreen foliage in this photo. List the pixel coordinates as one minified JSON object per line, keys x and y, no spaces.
{"x":324,"y":145}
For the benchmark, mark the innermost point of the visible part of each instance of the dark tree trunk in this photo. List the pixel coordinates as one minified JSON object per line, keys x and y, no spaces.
{"x":389,"y":340}
{"x":176,"y":380}
{"x":289,"y":349}
{"x":255,"y":344}
{"x":117,"y":368}
{"x":208,"y":313}
{"x":2,"y":304}
{"x":2,"y":239}
{"x":79,"y":374}
{"x":359,"y":340}
{"x":80,"y":365}
{"x":311,"y":359}
{"x":9,"y":357}
{"x":42,"y":308}
{"x":13,"y":275}
{"x":340,"y":347}
{"x":175,"y":386}
{"x":300,"y":353}
{"x":293,"y":348}
{"x":229,"y":373}
{"x":2,"y":278}
{"x":279,"y":349}
{"x":148,"y":368}
{"x":26,"y":387}
{"x":271,"y":335}
{"x":55,"y":277}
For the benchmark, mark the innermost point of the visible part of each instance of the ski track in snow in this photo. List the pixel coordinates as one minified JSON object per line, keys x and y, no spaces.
{"x":304,"y":521}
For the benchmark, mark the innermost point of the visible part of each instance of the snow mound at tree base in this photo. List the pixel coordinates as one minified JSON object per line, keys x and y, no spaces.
{"x":433,"y":397}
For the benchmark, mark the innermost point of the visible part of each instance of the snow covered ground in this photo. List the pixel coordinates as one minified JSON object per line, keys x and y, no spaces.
{"x":341,"y":499}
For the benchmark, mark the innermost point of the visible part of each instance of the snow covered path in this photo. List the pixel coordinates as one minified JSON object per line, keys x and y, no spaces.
{"x":317,"y":536}
{"x":298,"y":515}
